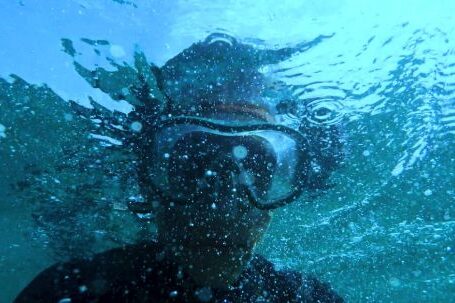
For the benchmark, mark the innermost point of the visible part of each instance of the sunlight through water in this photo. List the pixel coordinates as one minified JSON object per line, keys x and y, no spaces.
{"x":382,"y":74}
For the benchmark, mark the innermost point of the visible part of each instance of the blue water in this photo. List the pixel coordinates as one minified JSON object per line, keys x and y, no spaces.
{"x":384,"y":73}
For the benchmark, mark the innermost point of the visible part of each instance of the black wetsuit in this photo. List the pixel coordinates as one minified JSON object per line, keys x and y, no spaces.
{"x":140,"y":273}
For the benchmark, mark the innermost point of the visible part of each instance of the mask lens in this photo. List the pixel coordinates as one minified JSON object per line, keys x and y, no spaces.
{"x":195,"y":160}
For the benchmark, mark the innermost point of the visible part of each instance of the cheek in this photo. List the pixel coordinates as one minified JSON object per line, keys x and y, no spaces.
{"x":259,"y":217}
{"x":185,"y":221}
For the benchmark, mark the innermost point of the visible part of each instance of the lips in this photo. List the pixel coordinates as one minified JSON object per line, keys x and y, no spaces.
{"x":221,"y":237}
{"x":220,"y":244}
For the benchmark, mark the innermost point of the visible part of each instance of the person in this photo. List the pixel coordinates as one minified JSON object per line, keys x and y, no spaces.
{"x":213,"y":166}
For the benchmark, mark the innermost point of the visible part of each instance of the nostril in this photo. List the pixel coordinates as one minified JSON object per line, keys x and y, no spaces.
{"x":241,"y":197}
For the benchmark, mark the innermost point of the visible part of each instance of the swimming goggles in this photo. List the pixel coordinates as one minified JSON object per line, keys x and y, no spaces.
{"x":192,"y":158}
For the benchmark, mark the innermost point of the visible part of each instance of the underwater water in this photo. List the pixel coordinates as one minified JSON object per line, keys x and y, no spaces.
{"x":382,"y":73}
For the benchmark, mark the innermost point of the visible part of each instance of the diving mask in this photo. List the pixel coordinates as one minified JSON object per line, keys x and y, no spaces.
{"x":194,"y":157}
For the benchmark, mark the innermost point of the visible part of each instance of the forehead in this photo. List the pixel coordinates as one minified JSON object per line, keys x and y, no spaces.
{"x":215,"y":73}
{"x":241,"y":112}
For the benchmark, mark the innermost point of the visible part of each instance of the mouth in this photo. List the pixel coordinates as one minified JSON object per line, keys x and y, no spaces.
{"x":220,"y":245}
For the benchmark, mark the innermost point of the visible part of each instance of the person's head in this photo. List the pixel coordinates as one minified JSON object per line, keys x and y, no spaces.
{"x":218,"y":176}
{"x":216,"y":225}
{"x":217,"y":162}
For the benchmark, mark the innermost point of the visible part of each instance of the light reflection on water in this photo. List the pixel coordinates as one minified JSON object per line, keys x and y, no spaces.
{"x":385,"y":232}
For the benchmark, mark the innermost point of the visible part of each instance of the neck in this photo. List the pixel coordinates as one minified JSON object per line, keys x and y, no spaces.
{"x":209,"y":266}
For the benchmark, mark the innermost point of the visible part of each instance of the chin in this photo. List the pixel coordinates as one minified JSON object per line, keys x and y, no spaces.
{"x":215,"y":267}
{"x":218,"y":248}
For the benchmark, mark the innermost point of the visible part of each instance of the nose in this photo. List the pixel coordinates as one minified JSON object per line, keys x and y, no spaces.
{"x":226,"y":190}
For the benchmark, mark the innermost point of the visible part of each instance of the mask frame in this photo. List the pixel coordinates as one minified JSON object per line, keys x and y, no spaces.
{"x":302,"y":166}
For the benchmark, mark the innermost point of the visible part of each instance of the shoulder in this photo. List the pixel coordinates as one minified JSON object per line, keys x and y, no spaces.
{"x":87,"y":279}
{"x":291,"y":285}
{"x":313,"y":290}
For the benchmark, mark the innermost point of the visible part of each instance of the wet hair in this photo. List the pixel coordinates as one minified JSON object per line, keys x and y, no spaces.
{"x":220,"y":76}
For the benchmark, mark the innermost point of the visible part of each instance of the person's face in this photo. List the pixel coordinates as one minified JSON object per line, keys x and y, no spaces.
{"x":218,"y":216}
{"x":224,"y":226}
{"x":213,"y":240}
{"x":215,"y":227}
{"x":218,"y":229}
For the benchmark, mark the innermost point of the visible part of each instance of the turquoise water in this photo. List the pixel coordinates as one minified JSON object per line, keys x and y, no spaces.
{"x":381,"y":72}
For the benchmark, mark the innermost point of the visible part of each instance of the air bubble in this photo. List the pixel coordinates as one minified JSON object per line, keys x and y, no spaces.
{"x":2,"y":131}
{"x":173,"y":294}
{"x":117,"y":51}
{"x":395,"y":282}
{"x":240,"y":152}
{"x":136,"y":126}
{"x":68,"y":117}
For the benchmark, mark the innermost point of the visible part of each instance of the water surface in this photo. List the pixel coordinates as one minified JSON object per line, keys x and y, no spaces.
{"x":383,"y":73}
